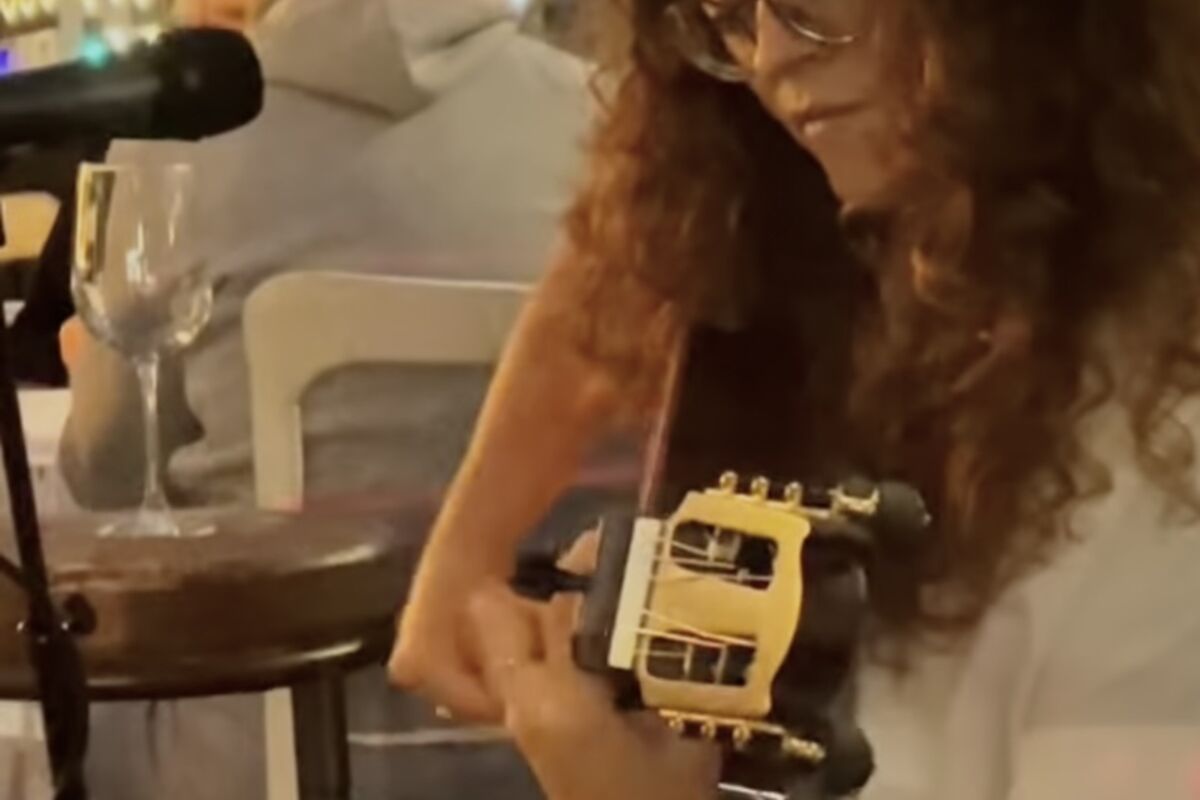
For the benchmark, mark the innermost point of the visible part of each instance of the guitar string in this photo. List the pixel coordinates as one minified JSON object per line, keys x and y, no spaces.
{"x":687,"y":632}
{"x":699,"y":637}
{"x":702,"y":577}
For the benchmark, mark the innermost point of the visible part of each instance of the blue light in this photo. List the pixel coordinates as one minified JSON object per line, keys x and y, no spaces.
{"x":6,"y":61}
{"x":94,"y":51}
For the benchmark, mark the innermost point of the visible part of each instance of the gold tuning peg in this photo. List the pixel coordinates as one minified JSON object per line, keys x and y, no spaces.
{"x":728,"y":482}
{"x":742,"y":737}
{"x":793,"y":493}
{"x":803,"y":749}
{"x":760,"y":487}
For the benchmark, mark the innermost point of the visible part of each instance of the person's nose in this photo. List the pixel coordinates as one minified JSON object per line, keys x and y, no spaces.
{"x":779,"y":50}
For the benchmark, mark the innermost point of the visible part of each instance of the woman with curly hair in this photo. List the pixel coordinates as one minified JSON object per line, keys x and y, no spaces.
{"x":999,"y":302}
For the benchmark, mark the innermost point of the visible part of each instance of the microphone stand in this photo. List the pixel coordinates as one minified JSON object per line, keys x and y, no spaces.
{"x":61,"y":682}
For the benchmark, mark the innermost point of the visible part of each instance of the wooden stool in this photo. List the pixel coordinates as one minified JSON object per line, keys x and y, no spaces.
{"x":268,"y":601}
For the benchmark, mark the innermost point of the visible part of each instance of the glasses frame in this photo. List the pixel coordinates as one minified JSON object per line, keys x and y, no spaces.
{"x":682,"y":15}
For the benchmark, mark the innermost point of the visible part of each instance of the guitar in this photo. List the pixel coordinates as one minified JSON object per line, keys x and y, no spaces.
{"x":735,"y":612}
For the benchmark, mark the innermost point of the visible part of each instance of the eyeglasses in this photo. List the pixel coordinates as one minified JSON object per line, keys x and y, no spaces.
{"x":720,"y":37}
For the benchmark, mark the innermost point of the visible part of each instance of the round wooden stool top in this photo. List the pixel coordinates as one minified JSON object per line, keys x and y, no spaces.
{"x":267,"y":600}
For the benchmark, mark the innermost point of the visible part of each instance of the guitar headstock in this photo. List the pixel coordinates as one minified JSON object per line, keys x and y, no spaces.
{"x":711,"y":599}
{"x":701,"y":615}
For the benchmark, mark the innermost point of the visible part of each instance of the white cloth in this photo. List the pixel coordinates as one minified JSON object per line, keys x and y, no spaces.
{"x":432,"y":24}
{"x":361,"y":61}
{"x":1082,"y":682}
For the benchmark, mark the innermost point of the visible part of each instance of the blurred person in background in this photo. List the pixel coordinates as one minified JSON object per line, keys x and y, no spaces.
{"x":559,"y":22}
{"x":433,"y":140}
{"x":34,"y":343}
{"x":399,"y":137}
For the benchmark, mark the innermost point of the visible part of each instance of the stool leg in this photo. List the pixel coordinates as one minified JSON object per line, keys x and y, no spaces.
{"x":280,"y":746}
{"x":322,"y":752}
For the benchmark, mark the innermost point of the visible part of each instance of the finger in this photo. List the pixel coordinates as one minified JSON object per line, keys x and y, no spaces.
{"x":653,"y":729}
{"x":561,"y":709}
{"x":72,"y":341}
{"x":435,"y":668}
{"x":558,"y":620}
{"x":508,"y":637}
{"x":581,"y":556}
{"x":693,"y":756}
{"x":461,"y":695}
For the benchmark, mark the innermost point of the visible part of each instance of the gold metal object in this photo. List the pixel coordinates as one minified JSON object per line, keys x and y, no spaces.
{"x":699,"y":603}
{"x":742,"y":732}
{"x":858,"y":506}
{"x":729,"y":625}
{"x":742,"y":735}
{"x":803,"y":749}
{"x":760,"y":488}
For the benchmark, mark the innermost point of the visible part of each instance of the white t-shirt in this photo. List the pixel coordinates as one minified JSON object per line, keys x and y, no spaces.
{"x":1083,"y":681}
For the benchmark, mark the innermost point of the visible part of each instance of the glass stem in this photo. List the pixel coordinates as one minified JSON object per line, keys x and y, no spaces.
{"x":154,"y":500}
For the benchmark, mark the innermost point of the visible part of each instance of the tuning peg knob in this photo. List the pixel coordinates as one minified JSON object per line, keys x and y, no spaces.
{"x":894,"y":511}
{"x":539,"y":578}
{"x":760,"y":488}
{"x":902,"y":515}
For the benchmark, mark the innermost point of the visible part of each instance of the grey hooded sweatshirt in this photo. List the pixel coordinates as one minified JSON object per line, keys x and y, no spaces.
{"x":401,"y":137}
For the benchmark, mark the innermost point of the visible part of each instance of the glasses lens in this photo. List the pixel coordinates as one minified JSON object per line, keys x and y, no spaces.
{"x":720,"y":36}
{"x":709,"y":34}
{"x":826,"y":21}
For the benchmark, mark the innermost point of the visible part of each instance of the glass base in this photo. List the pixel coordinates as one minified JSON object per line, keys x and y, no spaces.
{"x":146,"y":523}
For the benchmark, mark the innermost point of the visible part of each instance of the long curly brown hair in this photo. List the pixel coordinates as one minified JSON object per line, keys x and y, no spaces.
{"x":1042,"y":260}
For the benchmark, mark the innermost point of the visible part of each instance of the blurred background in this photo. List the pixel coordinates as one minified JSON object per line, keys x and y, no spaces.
{"x":414,"y":157}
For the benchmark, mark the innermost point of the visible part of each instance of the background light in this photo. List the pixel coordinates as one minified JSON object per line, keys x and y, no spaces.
{"x":119,"y":39}
{"x":94,"y":51}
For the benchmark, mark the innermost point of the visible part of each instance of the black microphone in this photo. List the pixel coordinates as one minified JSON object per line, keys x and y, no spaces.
{"x":189,"y":84}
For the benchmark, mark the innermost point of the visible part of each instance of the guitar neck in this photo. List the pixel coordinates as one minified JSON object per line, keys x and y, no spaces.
{"x":659,"y":468}
{"x":733,"y":401}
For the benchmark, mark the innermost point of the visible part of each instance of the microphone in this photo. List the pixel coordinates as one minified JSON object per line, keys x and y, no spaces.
{"x":189,"y":84}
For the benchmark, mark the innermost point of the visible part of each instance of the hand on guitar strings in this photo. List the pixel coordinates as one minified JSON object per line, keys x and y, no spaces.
{"x":564,"y":721}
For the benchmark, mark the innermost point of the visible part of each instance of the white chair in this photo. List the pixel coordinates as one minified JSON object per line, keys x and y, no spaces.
{"x":300,"y":326}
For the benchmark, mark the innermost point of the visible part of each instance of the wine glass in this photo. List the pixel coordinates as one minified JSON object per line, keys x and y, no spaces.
{"x":140,"y":287}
